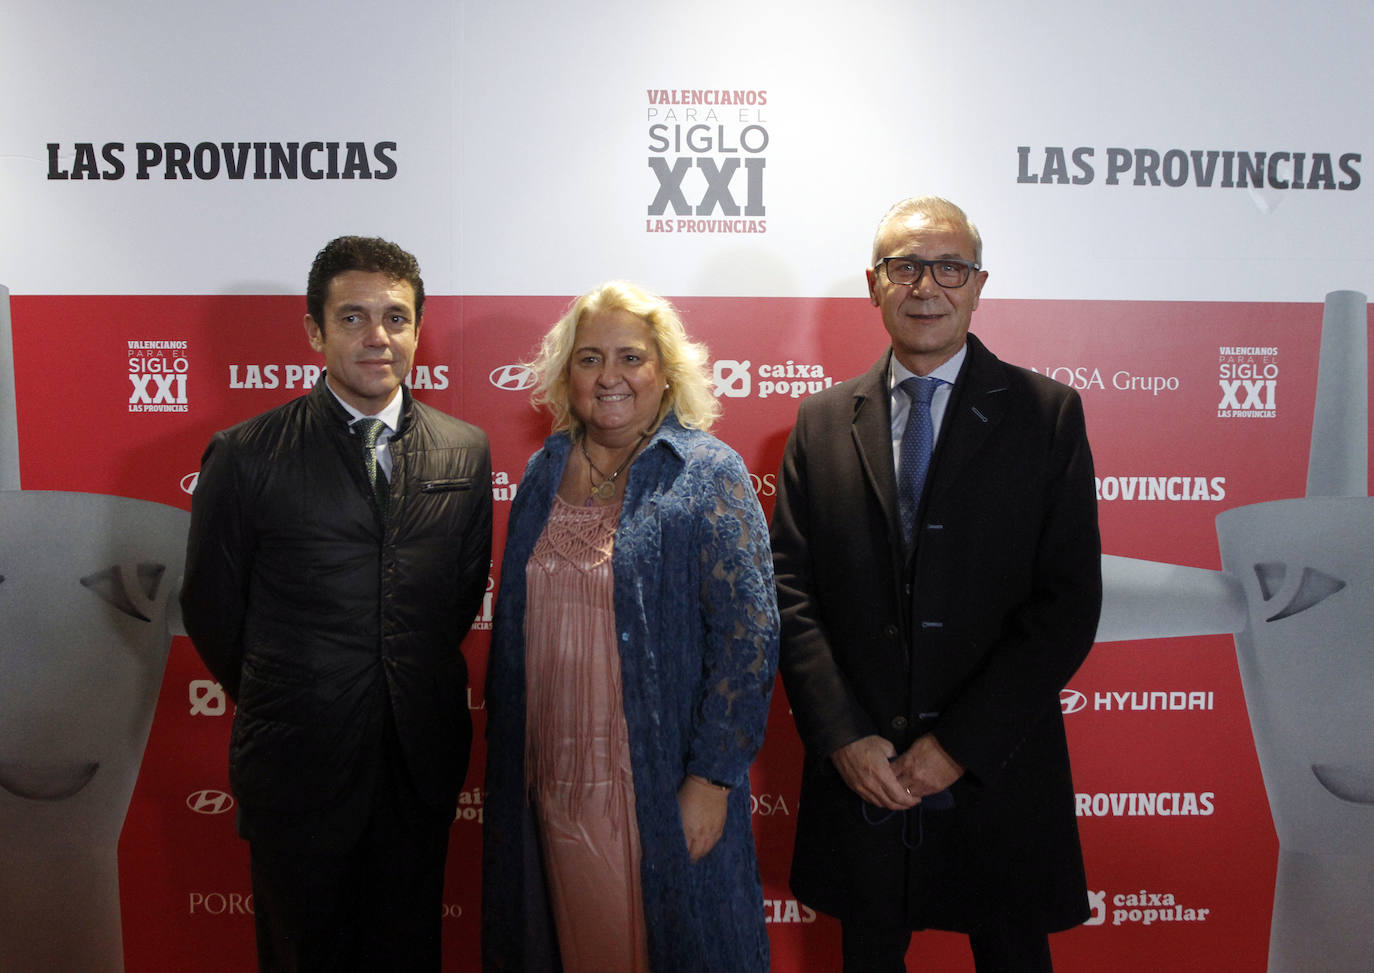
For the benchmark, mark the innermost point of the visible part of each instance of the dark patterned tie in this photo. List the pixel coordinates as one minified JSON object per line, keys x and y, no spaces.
{"x":369,"y":430}
{"x":917,"y":440}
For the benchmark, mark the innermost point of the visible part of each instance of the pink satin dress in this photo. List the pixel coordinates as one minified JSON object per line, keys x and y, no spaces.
{"x":577,"y":756}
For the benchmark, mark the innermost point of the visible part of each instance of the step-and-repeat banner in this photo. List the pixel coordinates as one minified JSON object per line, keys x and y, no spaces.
{"x":1176,"y":211}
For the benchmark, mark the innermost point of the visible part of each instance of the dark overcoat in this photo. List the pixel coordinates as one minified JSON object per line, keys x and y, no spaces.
{"x":971,"y":636}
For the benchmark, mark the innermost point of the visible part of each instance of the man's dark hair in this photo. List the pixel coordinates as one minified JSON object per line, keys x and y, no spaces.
{"x":369,"y":254}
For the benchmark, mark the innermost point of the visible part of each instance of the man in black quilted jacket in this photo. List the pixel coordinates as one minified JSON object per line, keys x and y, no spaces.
{"x":339,"y":550}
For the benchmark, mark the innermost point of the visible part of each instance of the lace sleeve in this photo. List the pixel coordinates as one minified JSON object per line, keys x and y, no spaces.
{"x":739,"y":617}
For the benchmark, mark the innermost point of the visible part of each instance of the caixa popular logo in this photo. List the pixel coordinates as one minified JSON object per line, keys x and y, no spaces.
{"x":206,"y":698}
{"x":470,"y":805}
{"x":1142,"y":908}
{"x":512,"y":378}
{"x":502,"y":489}
{"x":741,"y":379}
{"x":210,"y":802}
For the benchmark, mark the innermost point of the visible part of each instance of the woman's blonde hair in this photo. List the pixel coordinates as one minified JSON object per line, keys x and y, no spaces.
{"x":685,"y":363}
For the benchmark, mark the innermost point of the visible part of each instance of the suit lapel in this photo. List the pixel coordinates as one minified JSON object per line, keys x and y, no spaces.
{"x":980,"y":403}
{"x":872,"y":434}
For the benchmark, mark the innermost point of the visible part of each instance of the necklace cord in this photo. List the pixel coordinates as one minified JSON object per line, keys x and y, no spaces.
{"x":606,"y":488}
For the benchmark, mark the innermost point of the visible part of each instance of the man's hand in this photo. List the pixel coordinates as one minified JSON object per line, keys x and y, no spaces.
{"x":865,"y":765}
{"x":926,"y":768}
{"x":703,"y":807}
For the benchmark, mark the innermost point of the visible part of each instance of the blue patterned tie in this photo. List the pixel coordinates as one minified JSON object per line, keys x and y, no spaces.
{"x":369,"y":430}
{"x":917,"y":441}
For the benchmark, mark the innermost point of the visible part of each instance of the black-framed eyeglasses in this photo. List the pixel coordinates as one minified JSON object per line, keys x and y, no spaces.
{"x":947,"y":271}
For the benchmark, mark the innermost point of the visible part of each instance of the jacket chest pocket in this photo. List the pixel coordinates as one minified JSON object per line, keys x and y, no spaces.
{"x":446,"y":485}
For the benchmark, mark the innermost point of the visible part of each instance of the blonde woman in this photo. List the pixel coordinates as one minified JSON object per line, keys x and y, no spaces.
{"x":633,"y":656}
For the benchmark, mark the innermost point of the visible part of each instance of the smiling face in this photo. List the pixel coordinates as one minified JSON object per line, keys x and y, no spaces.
{"x":368,"y":337}
{"x":615,"y":383}
{"x":927,"y":322}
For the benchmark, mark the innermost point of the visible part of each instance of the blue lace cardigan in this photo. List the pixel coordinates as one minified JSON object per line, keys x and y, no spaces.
{"x":697,"y":620}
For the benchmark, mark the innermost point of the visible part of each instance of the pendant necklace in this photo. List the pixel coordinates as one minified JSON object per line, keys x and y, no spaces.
{"x":606,"y":489}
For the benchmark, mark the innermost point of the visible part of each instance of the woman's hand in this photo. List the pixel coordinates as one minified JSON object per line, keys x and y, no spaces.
{"x":703,"y":807}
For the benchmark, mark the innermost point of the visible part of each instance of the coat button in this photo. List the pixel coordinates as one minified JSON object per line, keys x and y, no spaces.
{"x":899,"y":722}
{"x":890,"y":631}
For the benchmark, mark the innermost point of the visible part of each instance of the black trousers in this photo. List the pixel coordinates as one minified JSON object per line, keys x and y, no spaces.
{"x":376,"y":907}
{"x":1000,"y":949}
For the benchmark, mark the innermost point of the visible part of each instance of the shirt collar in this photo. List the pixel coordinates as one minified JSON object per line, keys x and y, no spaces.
{"x":897,"y":373}
{"x":390,"y":415}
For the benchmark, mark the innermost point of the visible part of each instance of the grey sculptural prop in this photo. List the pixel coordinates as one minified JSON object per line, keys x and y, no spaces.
{"x":88,"y":589}
{"x":1296,"y":590}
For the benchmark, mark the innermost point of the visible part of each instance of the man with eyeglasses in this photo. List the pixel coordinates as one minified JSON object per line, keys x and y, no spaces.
{"x":938,"y":566}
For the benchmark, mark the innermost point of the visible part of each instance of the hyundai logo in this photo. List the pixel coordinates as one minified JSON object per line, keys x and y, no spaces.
{"x":210,"y":802}
{"x":188,"y":482}
{"x":512,"y":378}
{"x":1071,"y":700}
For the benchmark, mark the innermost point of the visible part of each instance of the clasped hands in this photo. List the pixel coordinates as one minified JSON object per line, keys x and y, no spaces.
{"x":873,"y":770}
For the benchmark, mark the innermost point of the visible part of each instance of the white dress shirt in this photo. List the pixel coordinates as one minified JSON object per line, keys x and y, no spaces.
{"x":898,"y":373}
{"x":391,"y":418}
